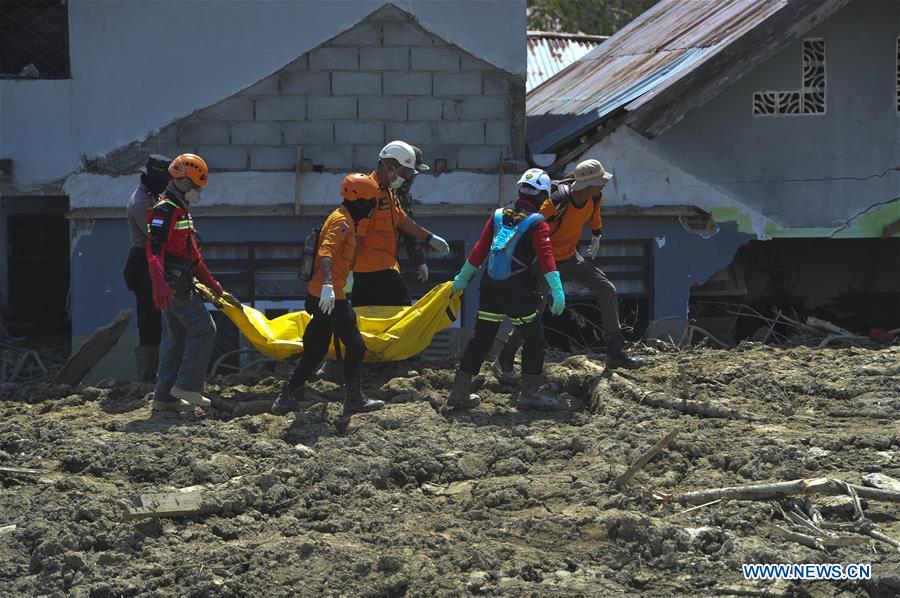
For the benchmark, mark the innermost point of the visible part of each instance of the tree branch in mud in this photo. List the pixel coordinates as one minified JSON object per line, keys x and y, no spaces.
{"x":814,"y":542}
{"x":780,"y":490}
{"x":690,"y":407}
{"x":623,"y":479}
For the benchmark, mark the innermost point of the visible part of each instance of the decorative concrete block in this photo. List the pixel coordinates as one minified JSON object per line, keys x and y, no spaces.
{"x":332,"y":157}
{"x":203,"y":133}
{"x":228,"y":109}
{"x":303,"y":83}
{"x":435,"y":59}
{"x":414,"y":133}
{"x":407,"y":84}
{"x":483,"y":108}
{"x":357,"y":133}
{"x":393,"y":109}
{"x":356,"y":83}
{"x":225,"y":157}
{"x":479,"y":158}
{"x":460,"y":84}
{"x":256,"y":133}
{"x":273,"y":158}
{"x":384,"y":59}
{"x":364,"y":34}
{"x":334,"y":59}
{"x":498,"y":133}
{"x":332,"y":108}
{"x":266,"y":87}
{"x":404,"y":33}
{"x":495,"y":84}
{"x":463,"y":133}
{"x":365,"y":157}
{"x":281,"y":108}
{"x":306,"y":133}
{"x":471,"y":64}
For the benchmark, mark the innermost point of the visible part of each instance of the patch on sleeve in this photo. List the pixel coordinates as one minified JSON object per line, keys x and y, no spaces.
{"x":345,"y":228}
{"x":157,"y":222}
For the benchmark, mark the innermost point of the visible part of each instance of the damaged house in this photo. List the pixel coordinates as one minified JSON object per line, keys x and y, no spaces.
{"x":756,"y":152}
{"x":282,"y":99}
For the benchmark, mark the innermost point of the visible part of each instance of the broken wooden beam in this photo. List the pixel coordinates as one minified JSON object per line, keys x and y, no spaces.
{"x":623,"y":479}
{"x":782,"y":490}
{"x":22,"y":471}
{"x":163,"y":504}
{"x":881,"y":481}
{"x":93,"y":349}
{"x":689,"y":407}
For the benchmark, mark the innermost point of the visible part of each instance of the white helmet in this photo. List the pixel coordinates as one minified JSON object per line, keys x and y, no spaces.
{"x":400,"y":151}
{"x":537,"y":179}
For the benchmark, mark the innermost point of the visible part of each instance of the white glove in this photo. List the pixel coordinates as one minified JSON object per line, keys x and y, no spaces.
{"x":423,"y":272}
{"x":439,"y":244}
{"x":348,"y":288}
{"x":326,"y":301}
{"x":595,"y":246}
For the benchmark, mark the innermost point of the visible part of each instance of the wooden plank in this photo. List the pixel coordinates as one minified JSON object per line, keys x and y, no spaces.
{"x":164,"y":504}
{"x":22,"y":471}
{"x":94,"y":349}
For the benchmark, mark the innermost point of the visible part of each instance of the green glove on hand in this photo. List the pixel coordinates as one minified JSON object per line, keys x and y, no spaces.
{"x":465,"y":275}
{"x":556,"y":289}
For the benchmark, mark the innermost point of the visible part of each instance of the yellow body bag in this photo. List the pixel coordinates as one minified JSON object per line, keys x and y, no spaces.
{"x":390,"y":333}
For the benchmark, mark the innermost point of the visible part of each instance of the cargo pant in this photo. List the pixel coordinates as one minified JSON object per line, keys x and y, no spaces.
{"x":579,"y":270}
{"x":188,"y":340}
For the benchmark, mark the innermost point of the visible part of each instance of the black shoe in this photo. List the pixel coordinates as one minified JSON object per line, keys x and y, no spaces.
{"x":287,"y":400}
{"x":616,"y":357}
{"x":356,"y":402}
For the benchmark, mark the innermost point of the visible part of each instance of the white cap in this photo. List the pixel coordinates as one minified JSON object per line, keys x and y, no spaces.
{"x":400,"y":151}
{"x":537,"y":179}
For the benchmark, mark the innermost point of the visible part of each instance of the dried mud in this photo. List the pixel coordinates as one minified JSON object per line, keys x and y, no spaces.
{"x":416,"y":500}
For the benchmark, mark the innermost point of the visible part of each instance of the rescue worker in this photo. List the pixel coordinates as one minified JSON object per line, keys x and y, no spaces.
{"x":513,"y":239}
{"x":414,"y":247}
{"x":189,"y":333}
{"x":574,"y":203}
{"x":376,"y":279}
{"x":154,"y":178}
{"x":331,"y":311}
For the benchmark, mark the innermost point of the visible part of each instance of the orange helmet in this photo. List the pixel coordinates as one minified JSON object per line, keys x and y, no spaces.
{"x":360,"y":186}
{"x":191,"y":166}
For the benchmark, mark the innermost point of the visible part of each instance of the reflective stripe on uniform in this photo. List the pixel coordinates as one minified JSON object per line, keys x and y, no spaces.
{"x":184,"y":224}
{"x":493,"y":317}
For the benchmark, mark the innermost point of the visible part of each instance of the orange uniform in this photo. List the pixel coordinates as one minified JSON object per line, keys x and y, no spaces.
{"x":337,"y":241}
{"x":565,"y":232}
{"x":379,"y":245}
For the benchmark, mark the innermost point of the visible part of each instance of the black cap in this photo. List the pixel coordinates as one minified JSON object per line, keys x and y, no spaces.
{"x":157,"y":168}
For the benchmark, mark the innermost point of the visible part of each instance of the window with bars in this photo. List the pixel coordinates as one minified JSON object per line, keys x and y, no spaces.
{"x":34,"y":39}
{"x":810,"y":99}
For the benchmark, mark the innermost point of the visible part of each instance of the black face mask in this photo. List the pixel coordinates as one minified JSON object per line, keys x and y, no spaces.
{"x":359,"y":209}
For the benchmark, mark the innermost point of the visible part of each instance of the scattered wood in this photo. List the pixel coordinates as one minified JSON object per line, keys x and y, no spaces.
{"x":5,"y":529}
{"x":690,"y":407}
{"x":814,"y":542}
{"x":706,"y":504}
{"x":93,"y":349}
{"x":164,"y":504}
{"x":22,"y":471}
{"x":623,"y":479}
{"x":881,"y":481}
{"x":781,"y":490}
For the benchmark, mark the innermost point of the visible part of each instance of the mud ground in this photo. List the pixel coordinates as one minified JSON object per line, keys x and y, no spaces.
{"x":419,"y":501}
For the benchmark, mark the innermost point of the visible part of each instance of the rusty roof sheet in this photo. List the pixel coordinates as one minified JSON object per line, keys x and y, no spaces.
{"x":549,"y":53}
{"x":641,"y":60}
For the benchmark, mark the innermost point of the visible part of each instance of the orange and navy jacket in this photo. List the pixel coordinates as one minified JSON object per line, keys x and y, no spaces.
{"x":171,"y":230}
{"x":337,"y":241}
{"x":565,"y":230}
{"x":379,"y":234}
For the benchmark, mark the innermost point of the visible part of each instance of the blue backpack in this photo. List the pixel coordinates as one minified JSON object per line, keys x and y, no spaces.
{"x":506,"y":238}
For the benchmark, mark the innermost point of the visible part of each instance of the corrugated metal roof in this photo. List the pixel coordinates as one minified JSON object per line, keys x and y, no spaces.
{"x":549,"y":53}
{"x":642,"y":59}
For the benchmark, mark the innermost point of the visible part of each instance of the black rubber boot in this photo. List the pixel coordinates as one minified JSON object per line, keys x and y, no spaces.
{"x":356,"y":402}
{"x":616,"y":357}
{"x":530,"y":398}
{"x":331,"y":371}
{"x":461,"y":396}
{"x":288,"y":400}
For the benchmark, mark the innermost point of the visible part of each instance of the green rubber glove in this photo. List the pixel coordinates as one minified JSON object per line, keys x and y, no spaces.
{"x":556,"y":289}
{"x":465,"y":275}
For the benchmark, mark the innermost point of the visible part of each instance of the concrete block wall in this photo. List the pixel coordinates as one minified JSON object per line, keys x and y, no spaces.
{"x":384,"y":79}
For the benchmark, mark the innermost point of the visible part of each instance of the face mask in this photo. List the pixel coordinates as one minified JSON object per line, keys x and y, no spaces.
{"x":192,"y":196}
{"x":398,"y":182}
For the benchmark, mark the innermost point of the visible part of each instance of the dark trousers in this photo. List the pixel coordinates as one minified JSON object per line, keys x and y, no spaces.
{"x":384,"y":287}
{"x":137,"y":279}
{"x":478,"y":348}
{"x":187,"y":345}
{"x":579,"y":270}
{"x":341,"y":322}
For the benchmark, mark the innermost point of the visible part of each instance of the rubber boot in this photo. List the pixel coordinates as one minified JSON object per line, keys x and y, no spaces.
{"x":356,"y":402}
{"x":530,"y":398}
{"x":461,"y":396}
{"x":288,"y":400}
{"x":147,"y":360}
{"x":616,"y":357}
{"x":192,"y":397}
{"x":331,"y":371}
